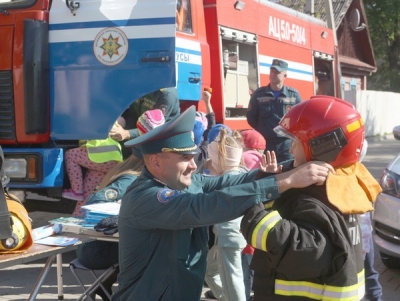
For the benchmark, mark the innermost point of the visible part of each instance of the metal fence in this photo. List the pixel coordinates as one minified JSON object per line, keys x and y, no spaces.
{"x":380,"y":110}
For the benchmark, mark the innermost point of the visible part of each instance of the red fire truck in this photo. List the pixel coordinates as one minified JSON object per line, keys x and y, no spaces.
{"x":68,"y":69}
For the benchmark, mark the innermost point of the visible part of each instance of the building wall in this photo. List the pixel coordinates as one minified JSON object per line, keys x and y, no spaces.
{"x":352,"y":83}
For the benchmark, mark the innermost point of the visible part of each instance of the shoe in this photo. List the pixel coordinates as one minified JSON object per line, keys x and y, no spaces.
{"x":72,"y":195}
{"x":209,"y":295}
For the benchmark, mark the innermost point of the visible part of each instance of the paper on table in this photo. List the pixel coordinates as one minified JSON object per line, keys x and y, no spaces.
{"x":111,"y":208}
{"x":45,"y":231}
{"x":60,"y":241}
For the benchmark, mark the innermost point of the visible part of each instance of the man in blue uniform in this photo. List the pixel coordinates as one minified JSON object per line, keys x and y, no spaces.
{"x":267,"y":106}
{"x":165,"y":213}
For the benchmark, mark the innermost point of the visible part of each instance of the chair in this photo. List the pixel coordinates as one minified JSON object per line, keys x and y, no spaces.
{"x":98,"y":278}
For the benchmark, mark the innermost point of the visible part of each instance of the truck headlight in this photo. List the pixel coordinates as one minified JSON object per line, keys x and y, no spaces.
{"x":15,"y":168}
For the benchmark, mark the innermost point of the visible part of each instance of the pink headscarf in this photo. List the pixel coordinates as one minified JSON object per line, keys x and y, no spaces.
{"x":232,"y":159}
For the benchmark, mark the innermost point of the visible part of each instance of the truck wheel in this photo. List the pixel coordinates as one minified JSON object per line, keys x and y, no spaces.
{"x":390,"y":261}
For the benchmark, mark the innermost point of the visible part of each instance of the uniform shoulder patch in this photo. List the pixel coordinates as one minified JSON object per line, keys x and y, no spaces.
{"x":110,"y":194}
{"x":165,"y":195}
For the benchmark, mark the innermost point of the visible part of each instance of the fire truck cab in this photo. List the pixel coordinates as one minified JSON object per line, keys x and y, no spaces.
{"x":68,"y":69}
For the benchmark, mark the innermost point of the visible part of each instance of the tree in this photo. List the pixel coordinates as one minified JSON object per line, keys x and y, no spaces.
{"x":384,"y":26}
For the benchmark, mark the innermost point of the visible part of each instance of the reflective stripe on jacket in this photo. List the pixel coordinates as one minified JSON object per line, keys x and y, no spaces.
{"x":100,"y":151}
{"x":321,"y":291}
{"x":260,"y":232}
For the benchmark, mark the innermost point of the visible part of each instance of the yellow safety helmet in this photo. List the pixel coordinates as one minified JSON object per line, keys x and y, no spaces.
{"x":21,"y":238}
{"x":19,"y":235}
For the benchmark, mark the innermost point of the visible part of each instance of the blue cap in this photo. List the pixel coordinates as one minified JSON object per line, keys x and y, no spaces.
{"x":279,"y":65}
{"x":214,"y":131}
{"x":198,"y":131}
{"x":174,"y":136}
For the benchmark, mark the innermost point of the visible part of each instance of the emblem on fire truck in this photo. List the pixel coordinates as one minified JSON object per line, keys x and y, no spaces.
{"x":110,"y":46}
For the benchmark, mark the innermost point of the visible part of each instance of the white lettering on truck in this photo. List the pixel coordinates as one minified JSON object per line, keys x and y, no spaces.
{"x":283,"y":30}
{"x":182,"y":57}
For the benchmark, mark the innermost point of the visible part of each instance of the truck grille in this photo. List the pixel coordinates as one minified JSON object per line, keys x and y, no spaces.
{"x":7,"y":128}
{"x":387,"y":233}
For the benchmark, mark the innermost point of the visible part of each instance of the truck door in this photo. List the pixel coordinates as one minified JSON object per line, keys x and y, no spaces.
{"x":191,"y":51}
{"x":104,"y":54}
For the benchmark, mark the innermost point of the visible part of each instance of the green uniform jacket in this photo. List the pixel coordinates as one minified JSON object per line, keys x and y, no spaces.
{"x":163,"y":233}
{"x":165,"y":100}
{"x":112,"y":192}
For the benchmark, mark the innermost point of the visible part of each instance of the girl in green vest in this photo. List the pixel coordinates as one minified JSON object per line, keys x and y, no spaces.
{"x":98,"y":157}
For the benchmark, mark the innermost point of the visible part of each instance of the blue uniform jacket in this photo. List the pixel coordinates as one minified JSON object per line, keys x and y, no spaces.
{"x":264,"y":113}
{"x":163,"y":233}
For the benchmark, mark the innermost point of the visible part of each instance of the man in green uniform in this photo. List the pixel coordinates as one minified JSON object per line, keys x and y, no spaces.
{"x":165,"y":213}
{"x":165,"y":100}
{"x":267,"y":106}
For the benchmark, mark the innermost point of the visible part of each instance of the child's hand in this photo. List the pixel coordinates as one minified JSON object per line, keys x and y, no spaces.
{"x":207,"y":100}
{"x":207,"y":97}
{"x":269,"y":163}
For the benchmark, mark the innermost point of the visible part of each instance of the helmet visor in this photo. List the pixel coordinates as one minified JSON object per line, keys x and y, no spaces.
{"x":281,"y":131}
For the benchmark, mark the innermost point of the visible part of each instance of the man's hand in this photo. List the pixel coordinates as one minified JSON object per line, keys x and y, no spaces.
{"x":314,"y":172}
{"x":118,"y":133}
{"x":269,"y":163}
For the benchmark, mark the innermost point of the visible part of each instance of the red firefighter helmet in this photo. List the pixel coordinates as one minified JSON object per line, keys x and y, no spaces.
{"x":330,"y":129}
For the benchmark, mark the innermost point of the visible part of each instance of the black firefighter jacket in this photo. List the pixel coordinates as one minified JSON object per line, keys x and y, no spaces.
{"x":305,"y":249}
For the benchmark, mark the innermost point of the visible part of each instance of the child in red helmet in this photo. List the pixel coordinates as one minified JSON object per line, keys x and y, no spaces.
{"x":308,"y":244}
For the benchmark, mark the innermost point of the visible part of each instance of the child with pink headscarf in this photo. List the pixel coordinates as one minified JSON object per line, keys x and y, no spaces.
{"x":224,"y":273}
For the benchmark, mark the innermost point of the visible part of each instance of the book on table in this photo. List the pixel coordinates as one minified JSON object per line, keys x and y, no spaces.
{"x":92,"y":215}
{"x":72,"y":224}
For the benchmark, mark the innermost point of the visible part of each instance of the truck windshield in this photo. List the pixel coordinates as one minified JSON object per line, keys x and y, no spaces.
{"x":183,"y":16}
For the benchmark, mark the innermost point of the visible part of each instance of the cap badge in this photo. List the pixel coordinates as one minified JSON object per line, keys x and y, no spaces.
{"x":110,"y":194}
